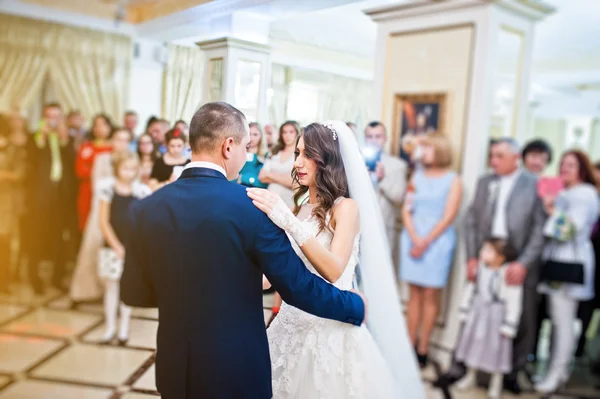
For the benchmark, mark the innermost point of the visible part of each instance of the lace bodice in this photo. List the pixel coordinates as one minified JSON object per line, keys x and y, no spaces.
{"x":345,"y":282}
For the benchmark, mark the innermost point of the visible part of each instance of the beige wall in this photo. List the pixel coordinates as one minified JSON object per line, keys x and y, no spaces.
{"x":436,"y":61}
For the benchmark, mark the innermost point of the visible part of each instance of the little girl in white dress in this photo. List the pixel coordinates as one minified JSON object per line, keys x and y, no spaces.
{"x":491,"y":311}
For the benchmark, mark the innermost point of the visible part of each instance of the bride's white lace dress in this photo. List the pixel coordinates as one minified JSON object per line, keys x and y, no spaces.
{"x":314,"y":358}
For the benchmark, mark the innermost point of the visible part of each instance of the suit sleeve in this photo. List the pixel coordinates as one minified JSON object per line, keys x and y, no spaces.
{"x":535,"y":245}
{"x":296,"y":285}
{"x":137,"y":288}
{"x":393,"y":185}
{"x":471,"y":225}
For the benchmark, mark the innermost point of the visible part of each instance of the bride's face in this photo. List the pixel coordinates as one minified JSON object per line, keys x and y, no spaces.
{"x":306,"y":168}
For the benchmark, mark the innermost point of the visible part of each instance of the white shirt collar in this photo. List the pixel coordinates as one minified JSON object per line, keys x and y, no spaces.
{"x":207,"y":165}
{"x":512,"y":176}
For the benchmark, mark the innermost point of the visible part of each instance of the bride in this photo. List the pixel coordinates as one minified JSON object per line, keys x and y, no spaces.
{"x":318,"y":358}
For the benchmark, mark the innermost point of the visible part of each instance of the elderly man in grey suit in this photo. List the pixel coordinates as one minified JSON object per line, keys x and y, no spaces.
{"x":390,"y":179}
{"x":506,"y":205}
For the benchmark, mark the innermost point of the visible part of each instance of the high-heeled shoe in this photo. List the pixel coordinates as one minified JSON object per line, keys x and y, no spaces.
{"x":551,"y":383}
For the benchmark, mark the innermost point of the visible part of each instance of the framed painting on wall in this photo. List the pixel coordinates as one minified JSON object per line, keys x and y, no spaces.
{"x":414,"y":115}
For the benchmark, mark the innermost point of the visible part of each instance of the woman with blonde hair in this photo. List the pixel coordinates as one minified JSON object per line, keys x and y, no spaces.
{"x":116,"y":194}
{"x":429,"y":237}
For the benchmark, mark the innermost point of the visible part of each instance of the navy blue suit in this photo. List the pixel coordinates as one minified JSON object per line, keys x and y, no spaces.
{"x":197,"y":251}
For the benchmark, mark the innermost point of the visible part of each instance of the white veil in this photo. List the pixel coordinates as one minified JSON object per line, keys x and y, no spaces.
{"x":384,"y":319}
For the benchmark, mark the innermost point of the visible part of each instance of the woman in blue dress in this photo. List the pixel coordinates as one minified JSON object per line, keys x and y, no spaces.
{"x":429,"y":237}
{"x":255,"y":159}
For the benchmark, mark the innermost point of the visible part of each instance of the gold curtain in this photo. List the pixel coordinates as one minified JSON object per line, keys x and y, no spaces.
{"x":182,"y":84}
{"x":89,"y":69}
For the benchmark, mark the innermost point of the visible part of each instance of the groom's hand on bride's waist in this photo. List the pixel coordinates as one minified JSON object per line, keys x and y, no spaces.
{"x":365,"y":302}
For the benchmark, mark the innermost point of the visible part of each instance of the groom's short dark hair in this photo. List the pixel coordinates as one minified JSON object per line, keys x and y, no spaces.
{"x":214,"y":122}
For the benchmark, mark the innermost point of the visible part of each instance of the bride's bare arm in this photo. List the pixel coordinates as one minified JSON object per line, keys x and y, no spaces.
{"x":331,"y":263}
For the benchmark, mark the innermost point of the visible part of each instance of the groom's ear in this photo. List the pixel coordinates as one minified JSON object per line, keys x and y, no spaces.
{"x":228,"y":147}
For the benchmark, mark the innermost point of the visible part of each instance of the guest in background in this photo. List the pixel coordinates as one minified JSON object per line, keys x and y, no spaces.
{"x":254,"y":159}
{"x":390,"y":180}
{"x":537,"y":155}
{"x":490,"y":311}
{"x":277,"y":171}
{"x":429,"y":238}
{"x":19,"y":137}
{"x":130,"y":122}
{"x":164,"y":167}
{"x":148,"y":154}
{"x":506,"y":205}
{"x":182,"y":126}
{"x":158,"y":130}
{"x":120,"y":139}
{"x":12,"y":174}
{"x":52,"y":195}
{"x":271,"y":136}
{"x":573,"y":215}
{"x":76,"y":131}
{"x":149,"y":122}
{"x":85,"y":285}
{"x":116,"y":194}
{"x":98,"y":144}
{"x":586,"y":308}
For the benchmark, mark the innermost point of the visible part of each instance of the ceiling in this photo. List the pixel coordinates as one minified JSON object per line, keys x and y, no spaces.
{"x":566,"y":59}
{"x":135,"y":11}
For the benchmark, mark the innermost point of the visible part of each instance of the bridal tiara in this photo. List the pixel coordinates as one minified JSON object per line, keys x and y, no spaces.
{"x":333,"y":132}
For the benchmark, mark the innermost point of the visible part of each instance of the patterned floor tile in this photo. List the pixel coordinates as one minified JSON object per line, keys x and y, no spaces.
{"x":147,"y":380}
{"x":9,"y":311}
{"x":93,"y":364}
{"x":142,"y":334}
{"x":54,"y":323}
{"x":29,"y":389}
{"x":18,"y":353}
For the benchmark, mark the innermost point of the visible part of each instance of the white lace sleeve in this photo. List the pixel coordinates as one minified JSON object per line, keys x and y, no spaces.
{"x":283,"y":217}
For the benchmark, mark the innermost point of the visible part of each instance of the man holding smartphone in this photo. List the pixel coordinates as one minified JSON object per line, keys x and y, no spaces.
{"x":52,"y":195}
{"x":389,"y":177}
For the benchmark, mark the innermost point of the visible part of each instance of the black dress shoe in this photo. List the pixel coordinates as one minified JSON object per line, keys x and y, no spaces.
{"x":512,"y":385}
{"x":423,"y":360}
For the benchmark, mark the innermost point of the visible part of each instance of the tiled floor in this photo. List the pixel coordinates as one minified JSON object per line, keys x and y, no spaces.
{"x":48,"y":350}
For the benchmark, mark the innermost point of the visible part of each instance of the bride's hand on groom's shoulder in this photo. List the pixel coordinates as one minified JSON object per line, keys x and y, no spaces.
{"x":365,"y":302}
{"x":273,"y":206}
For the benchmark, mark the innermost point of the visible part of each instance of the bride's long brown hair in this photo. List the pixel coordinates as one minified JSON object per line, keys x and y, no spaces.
{"x":322,"y":146}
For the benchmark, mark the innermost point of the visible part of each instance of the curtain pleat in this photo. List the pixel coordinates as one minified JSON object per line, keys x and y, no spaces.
{"x":182,"y":83}
{"x":89,"y":69}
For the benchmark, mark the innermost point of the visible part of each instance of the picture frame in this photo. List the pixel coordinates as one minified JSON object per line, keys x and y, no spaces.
{"x":417,"y":113}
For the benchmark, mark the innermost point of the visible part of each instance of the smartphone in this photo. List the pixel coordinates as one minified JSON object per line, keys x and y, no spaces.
{"x":549,"y":186}
{"x":177,"y":171}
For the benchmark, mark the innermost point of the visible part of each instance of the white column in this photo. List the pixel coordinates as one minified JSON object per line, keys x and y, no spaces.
{"x":241,"y":49}
{"x":463,"y":51}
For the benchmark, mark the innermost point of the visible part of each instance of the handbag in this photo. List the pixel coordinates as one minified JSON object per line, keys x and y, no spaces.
{"x":110,"y":266}
{"x":557,"y":271}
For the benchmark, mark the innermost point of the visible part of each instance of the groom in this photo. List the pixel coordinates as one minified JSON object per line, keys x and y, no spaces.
{"x":197,"y":250}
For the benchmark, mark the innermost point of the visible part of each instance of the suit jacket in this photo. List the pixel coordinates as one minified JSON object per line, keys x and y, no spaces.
{"x":525,"y":221}
{"x":197,"y":250}
{"x":390,"y":192}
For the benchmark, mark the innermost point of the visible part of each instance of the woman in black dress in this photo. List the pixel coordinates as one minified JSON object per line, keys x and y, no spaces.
{"x":116,"y":195}
{"x":162,"y":171}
